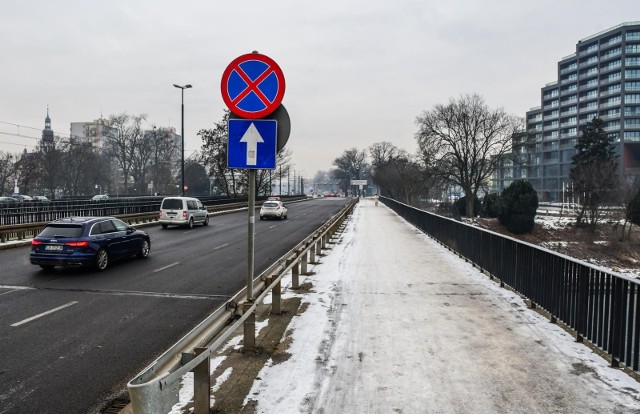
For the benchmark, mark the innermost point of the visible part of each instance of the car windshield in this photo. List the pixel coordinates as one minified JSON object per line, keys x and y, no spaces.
{"x":172,"y":204}
{"x":270,"y":204}
{"x":61,"y":231}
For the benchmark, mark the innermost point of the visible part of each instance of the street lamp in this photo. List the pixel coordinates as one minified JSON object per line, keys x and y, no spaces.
{"x":182,"y":88}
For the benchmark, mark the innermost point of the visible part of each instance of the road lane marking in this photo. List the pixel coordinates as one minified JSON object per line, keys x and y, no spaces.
{"x":14,"y":289}
{"x":166,"y":267}
{"x":220,"y":247}
{"x":273,"y":227}
{"x":40,"y":315}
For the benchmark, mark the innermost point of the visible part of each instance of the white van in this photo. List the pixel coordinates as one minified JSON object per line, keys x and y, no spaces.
{"x":183,"y":211}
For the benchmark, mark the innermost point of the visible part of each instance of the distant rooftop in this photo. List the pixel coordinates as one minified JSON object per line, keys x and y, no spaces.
{"x":609,"y":30}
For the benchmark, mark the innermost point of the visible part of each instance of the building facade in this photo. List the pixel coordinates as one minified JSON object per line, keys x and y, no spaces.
{"x":95,"y":132}
{"x":601,"y":79}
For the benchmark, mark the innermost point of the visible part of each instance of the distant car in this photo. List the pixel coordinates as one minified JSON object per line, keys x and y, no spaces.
{"x":7,"y":200}
{"x":100,"y":197}
{"x":273,"y":198}
{"x":87,"y":241}
{"x":273,"y":209}
{"x":182,"y":211}
{"x":41,"y":199}
{"x":22,"y":198}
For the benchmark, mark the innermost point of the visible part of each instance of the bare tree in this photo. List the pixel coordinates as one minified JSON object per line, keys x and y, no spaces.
{"x":464,"y":140}
{"x":125,"y":143}
{"x":351,"y":165}
{"x":215,"y":153}
{"x":7,"y":170}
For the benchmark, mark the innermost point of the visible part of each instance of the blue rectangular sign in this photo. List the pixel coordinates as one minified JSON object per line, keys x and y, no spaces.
{"x":252,"y":143}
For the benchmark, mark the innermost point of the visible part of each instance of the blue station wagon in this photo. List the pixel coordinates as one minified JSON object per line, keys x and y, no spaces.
{"x":87,"y":241}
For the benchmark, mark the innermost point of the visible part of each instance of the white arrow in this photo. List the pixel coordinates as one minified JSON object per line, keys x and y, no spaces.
{"x":252,"y":137}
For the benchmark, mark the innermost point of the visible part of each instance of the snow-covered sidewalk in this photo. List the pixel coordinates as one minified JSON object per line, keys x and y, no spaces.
{"x":395,"y":323}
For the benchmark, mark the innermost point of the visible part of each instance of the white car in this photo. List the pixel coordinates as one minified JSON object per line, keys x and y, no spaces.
{"x":273,"y":209}
{"x":100,"y":197}
{"x":183,"y":211}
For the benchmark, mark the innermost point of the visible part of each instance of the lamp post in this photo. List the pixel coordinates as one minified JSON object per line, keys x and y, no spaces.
{"x":182,"y":88}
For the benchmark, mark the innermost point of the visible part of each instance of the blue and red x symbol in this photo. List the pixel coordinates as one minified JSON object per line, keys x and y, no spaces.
{"x":252,"y":86}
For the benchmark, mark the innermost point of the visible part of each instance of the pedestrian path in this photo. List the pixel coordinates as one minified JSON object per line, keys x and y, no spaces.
{"x":396,"y":323}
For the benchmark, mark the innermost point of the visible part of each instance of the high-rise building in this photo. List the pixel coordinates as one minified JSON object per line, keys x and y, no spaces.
{"x":95,"y":132}
{"x":601,"y":79}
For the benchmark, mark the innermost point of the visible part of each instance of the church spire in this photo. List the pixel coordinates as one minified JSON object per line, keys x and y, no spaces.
{"x":47,"y":132}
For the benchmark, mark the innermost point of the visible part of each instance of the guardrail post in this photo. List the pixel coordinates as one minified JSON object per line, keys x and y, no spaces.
{"x":303,"y":264}
{"x":201,"y":385}
{"x":312,"y":251}
{"x":295,"y":274}
{"x":249,"y":329}
{"x":276,"y":295}
{"x":319,"y":246}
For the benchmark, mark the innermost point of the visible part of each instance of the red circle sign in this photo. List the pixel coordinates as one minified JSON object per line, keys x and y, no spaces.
{"x":252,"y":86}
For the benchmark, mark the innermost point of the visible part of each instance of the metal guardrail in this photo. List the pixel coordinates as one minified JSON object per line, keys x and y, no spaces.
{"x":156,"y":388}
{"x":30,"y":230}
{"x":598,"y":305}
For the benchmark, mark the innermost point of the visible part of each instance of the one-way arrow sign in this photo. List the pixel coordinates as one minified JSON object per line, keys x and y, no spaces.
{"x":252,"y":143}
{"x":252,"y":138}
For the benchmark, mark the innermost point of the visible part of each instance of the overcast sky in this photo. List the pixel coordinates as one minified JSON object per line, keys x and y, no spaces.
{"x":357,"y":71}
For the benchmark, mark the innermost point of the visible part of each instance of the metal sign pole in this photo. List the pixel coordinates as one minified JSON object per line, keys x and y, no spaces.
{"x":252,"y":233}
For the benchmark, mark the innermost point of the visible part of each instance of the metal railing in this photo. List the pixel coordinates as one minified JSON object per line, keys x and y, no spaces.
{"x":28,"y":229}
{"x":599,"y":305}
{"x":156,"y":388}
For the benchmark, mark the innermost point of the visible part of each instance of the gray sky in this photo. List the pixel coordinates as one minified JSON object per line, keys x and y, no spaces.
{"x":357,"y":71}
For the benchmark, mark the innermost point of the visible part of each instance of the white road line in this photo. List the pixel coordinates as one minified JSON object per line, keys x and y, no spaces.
{"x":220,"y":247}
{"x":44,"y":314}
{"x":273,"y":227}
{"x":166,"y":267}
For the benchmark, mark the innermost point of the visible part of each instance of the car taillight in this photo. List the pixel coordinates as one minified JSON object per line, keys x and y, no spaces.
{"x":184,"y":214}
{"x":35,"y":242}
{"x":160,"y":214}
{"x":77,"y":244}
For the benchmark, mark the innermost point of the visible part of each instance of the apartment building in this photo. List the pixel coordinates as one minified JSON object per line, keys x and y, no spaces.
{"x":601,"y":79}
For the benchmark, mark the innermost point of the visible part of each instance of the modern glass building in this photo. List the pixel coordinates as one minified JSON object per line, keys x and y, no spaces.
{"x":601,"y":79}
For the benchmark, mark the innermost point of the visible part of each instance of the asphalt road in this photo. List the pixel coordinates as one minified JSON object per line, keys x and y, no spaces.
{"x":98,"y":330}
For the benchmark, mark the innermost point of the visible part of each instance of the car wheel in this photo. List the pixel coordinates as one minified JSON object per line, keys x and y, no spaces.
{"x":190,"y":225}
{"x":144,"y":250}
{"x":47,"y":267}
{"x":102,"y":259}
{"x":206,"y":221}
{"x":261,"y":218}
{"x":164,"y":226}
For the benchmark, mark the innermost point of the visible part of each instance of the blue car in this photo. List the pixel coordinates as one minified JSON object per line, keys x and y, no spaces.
{"x":87,"y":241}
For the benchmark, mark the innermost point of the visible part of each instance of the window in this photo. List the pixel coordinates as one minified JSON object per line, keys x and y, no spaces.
{"x":61,"y":231}
{"x":192,"y":205}
{"x":631,"y":110}
{"x":632,"y":61}
{"x":632,"y":98}
{"x":120,"y":225}
{"x":632,"y":73}
{"x":633,"y":48}
{"x":632,"y":136}
{"x":635,"y":35}
{"x":107,"y":227}
{"x":632,"y":123}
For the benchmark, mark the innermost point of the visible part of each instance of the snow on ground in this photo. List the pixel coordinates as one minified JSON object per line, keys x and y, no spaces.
{"x":396,"y":323}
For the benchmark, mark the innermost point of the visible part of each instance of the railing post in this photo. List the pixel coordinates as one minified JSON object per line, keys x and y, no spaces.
{"x":312,"y":251}
{"x":276,"y":295}
{"x":295,"y":274}
{"x":201,"y":385}
{"x":249,"y":328}
{"x":303,"y":264}
{"x":319,"y":246}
